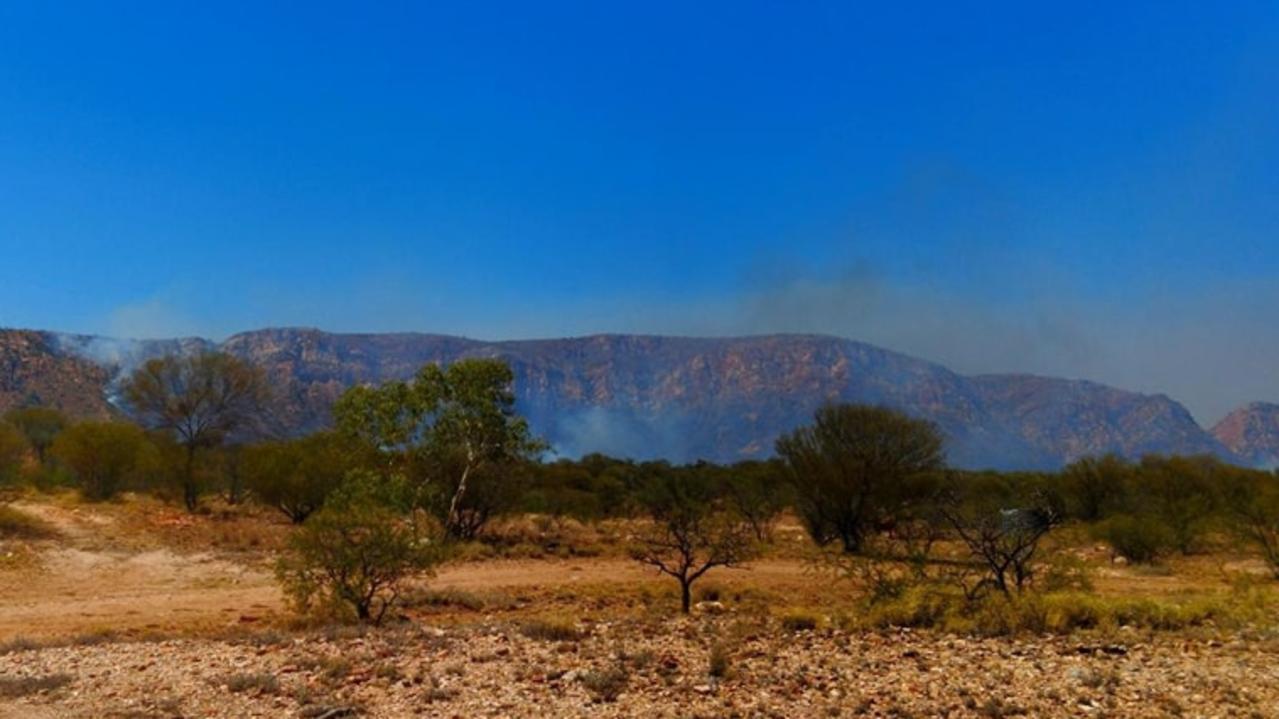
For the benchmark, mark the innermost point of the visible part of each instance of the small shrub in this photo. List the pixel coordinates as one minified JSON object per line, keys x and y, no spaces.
{"x":606,"y":685}
{"x":260,"y":682}
{"x":351,"y":556}
{"x":15,"y":687}
{"x":15,"y":524}
{"x":20,"y":644}
{"x":721,"y":661}
{"x":551,"y":630}
{"x":800,"y":622}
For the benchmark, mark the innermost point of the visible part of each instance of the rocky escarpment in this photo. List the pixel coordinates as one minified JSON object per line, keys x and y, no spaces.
{"x":671,"y":397}
{"x":1252,"y":433}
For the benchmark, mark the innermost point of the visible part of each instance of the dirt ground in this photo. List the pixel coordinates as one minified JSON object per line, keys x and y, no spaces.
{"x":143,"y":612}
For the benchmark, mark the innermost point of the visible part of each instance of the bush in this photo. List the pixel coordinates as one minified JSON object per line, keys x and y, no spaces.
{"x":13,"y":453}
{"x":260,"y":683}
{"x":296,"y":477}
{"x":551,"y":630}
{"x":800,"y":622}
{"x":15,"y":687}
{"x":606,"y":685}
{"x":1138,"y":539}
{"x":20,"y":525}
{"x":352,"y":556}
{"x":105,"y":457}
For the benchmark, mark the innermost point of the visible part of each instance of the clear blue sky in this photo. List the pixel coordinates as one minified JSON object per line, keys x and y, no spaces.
{"x":1086,"y":189}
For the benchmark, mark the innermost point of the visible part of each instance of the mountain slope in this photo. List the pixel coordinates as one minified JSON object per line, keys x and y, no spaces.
{"x":1252,"y":433}
{"x":673,"y":397}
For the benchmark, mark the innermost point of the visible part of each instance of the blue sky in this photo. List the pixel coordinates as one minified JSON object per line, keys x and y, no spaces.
{"x":1086,"y":189}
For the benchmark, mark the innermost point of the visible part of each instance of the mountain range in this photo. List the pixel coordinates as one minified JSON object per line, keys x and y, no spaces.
{"x":679,"y":398}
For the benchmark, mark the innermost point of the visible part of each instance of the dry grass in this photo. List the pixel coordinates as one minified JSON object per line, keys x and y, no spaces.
{"x":16,"y":687}
{"x":551,"y":629}
{"x":19,"y":525}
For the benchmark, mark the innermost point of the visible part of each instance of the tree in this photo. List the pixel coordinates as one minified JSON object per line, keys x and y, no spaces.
{"x":41,"y":426}
{"x":1095,"y":485}
{"x":201,"y":400}
{"x":13,"y":453}
{"x":1253,"y":502}
{"x":757,"y":492}
{"x":448,"y":426}
{"x":856,"y":467}
{"x":1004,"y":540}
{"x":297,"y":476}
{"x":103,"y":456}
{"x":691,"y":532}
{"x":352,"y":555}
{"x":1178,"y":492}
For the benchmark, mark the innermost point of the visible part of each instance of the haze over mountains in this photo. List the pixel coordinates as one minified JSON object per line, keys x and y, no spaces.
{"x":679,"y":398}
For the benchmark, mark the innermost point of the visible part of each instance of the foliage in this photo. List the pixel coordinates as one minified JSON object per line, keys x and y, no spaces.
{"x":1253,"y":502}
{"x":200,"y":400}
{"x":104,"y":457}
{"x":13,"y":454}
{"x":452,"y":428}
{"x":297,"y":476}
{"x":1002,"y":538}
{"x":352,"y":555}
{"x":1095,"y":485}
{"x":40,"y":425}
{"x":691,"y":532}
{"x":1141,"y":538}
{"x":758,"y":493}
{"x":856,"y":467}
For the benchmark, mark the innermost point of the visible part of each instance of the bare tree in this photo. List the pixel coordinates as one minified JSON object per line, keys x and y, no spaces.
{"x":691,"y":534}
{"x":199,"y":399}
{"x":1004,"y":541}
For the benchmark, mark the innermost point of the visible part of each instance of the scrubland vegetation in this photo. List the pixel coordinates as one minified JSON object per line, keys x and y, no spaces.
{"x":859,"y":516}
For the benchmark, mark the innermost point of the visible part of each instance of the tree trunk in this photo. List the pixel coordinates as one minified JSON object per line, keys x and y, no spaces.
{"x":686,"y":595}
{"x":190,"y":495}
{"x":450,"y":522}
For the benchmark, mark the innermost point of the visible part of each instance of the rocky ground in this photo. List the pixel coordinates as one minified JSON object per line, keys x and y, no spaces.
{"x":699,"y":667}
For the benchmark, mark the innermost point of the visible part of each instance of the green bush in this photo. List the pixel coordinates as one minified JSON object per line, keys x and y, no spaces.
{"x":1139,"y":539}
{"x":352,"y":555}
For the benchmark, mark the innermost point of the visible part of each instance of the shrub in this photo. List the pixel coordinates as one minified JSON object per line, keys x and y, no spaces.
{"x":297,"y":476}
{"x":800,"y":622}
{"x":15,"y":524}
{"x":606,"y":685}
{"x":15,"y":687}
{"x":1139,"y":539}
{"x":353,"y":555}
{"x":260,"y":682}
{"x":721,"y":661}
{"x":104,"y":457}
{"x":13,"y":453}
{"x":551,"y":630}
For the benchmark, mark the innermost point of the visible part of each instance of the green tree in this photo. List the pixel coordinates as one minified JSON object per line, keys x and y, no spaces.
{"x":758,"y":492}
{"x":353,"y":555}
{"x":856,"y":467}
{"x":297,"y":476}
{"x":200,"y":400}
{"x":105,"y":457}
{"x":13,"y":454}
{"x":1252,"y":499}
{"x":691,"y":531}
{"x":1094,"y":486}
{"x":41,"y":426}
{"x":444,"y":429}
